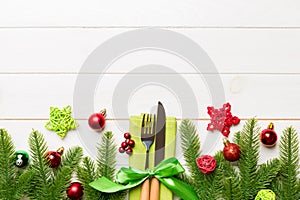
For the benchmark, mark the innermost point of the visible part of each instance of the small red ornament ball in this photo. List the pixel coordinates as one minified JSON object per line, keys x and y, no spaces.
{"x":131,"y":143}
{"x":54,"y":157}
{"x":268,"y":137}
{"x":206,"y":164}
{"x":127,"y":135}
{"x":75,"y":191}
{"x":97,"y":121}
{"x":231,"y":151}
{"x":129,"y":151}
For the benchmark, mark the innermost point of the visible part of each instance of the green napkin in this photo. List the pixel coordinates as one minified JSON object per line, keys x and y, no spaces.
{"x":138,"y":158}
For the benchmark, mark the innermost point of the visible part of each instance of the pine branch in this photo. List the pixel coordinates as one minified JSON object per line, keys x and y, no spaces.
{"x":289,"y":160}
{"x":266,"y":173}
{"x":86,"y":174}
{"x":190,"y":144}
{"x":7,"y":169}
{"x":249,"y":145}
{"x":106,"y":160}
{"x":72,"y":157}
{"x":40,"y":184}
{"x":60,"y":183}
{"x":23,"y":184}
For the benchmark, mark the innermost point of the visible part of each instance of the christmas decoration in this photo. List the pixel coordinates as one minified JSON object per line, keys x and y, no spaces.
{"x":221,"y":119}
{"x":97,"y":120}
{"x":265,"y":195}
{"x":21,"y":158}
{"x":268,"y":137}
{"x":104,"y":167}
{"x":75,"y":191}
{"x":231,"y":151}
{"x":132,"y":177}
{"x":61,"y":121}
{"x":54,"y":157}
{"x":226,"y":182}
{"x":127,"y":145}
{"x":206,"y":164}
{"x":287,"y":182}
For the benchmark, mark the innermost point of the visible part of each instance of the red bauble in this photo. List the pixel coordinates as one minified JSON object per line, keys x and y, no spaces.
{"x":131,"y":143}
{"x":124,"y":145}
{"x":54,"y":157}
{"x":75,"y":191}
{"x":129,"y":151}
{"x":231,"y":151}
{"x":121,"y":150}
{"x":127,"y":135}
{"x":97,"y":120}
{"x":268,"y":137}
{"x":206,"y":164}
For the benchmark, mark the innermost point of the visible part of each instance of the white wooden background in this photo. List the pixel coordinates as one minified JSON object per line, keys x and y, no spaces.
{"x":254,"y":45}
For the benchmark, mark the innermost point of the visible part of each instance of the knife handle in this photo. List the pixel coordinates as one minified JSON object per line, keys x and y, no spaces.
{"x":145,"y":190}
{"x":154,"y":193}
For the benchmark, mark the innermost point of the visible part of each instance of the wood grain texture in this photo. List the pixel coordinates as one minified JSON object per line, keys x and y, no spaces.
{"x":93,"y":13}
{"x":238,"y":51}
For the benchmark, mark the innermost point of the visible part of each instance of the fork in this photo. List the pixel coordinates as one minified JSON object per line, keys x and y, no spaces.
{"x":147,"y":137}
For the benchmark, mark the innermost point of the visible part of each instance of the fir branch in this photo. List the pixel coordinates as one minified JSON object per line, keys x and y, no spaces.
{"x":86,"y":174}
{"x":60,"y":183}
{"x":7,"y":169}
{"x":266,"y":173}
{"x":40,"y":184}
{"x":72,"y":157}
{"x":106,"y":160}
{"x":249,"y":145}
{"x":289,"y":160}
{"x":23,"y":184}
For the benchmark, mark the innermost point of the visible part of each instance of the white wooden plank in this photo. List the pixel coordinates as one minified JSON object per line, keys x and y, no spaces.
{"x":264,"y":96}
{"x":153,"y":13}
{"x":232,"y":50}
{"x":20,"y":130}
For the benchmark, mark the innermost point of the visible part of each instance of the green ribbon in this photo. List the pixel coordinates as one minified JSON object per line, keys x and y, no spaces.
{"x":132,"y":177}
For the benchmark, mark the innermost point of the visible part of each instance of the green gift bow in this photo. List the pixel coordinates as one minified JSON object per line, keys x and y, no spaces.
{"x":132,"y":177}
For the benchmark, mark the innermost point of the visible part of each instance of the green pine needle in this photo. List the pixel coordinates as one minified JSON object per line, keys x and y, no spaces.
{"x":106,"y":160}
{"x":7,"y":169}
{"x":266,"y":173}
{"x":72,"y":157}
{"x":289,"y":160}
{"x":249,"y":145}
{"x":60,"y":183}
{"x":86,"y":173}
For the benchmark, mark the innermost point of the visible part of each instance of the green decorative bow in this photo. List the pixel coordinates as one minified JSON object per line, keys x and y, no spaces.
{"x":132,"y":177}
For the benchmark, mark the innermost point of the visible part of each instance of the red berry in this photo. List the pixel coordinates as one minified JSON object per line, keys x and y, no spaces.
{"x":121,"y":150}
{"x":127,"y":135}
{"x":97,"y":121}
{"x":129,"y":151}
{"x":131,"y":143}
{"x":124,"y":144}
{"x":228,"y":122}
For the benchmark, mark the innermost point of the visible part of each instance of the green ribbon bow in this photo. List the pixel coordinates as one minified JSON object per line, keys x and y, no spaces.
{"x":132,"y":177}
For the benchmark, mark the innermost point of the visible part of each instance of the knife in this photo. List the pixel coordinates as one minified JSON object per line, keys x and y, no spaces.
{"x":160,"y":139}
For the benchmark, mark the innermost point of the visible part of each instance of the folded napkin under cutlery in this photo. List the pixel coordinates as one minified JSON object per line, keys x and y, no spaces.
{"x":138,"y":158}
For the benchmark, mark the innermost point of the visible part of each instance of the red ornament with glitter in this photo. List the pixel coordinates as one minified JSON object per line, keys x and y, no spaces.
{"x":221,"y":119}
{"x":54,"y":157}
{"x":75,"y":191}
{"x":97,"y":120}
{"x":268,"y":137}
{"x":231,"y":151}
{"x":206,"y":164}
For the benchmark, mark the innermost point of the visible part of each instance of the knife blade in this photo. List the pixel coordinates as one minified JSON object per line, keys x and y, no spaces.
{"x":160,"y":139}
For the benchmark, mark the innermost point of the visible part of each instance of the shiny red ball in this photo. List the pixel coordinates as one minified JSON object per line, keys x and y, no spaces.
{"x":232,"y":152}
{"x":121,"y":150}
{"x":268,"y":137}
{"x":131,"y":143}
{"x":75,"y":191}
{"x":97,"y":121}
{"x":124,"y":144}
{"x":127,"y":135}
{"x":54,"y":158}
{"x":129,"y":151}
